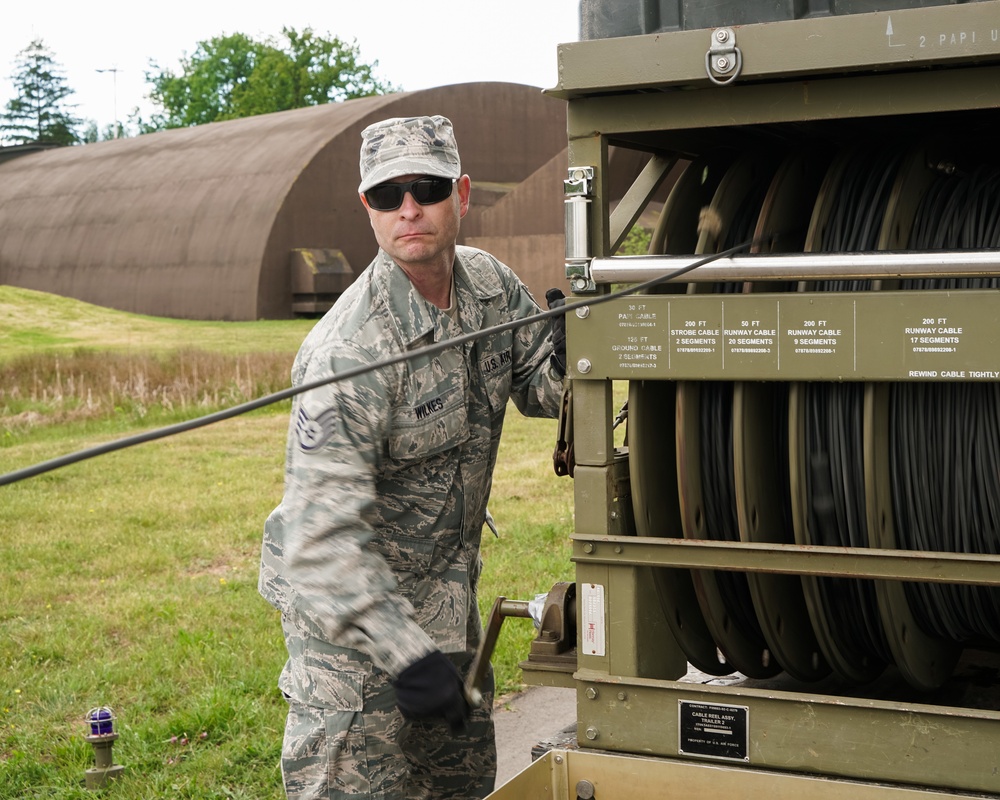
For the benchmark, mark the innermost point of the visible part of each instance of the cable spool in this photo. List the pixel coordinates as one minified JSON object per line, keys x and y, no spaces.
{"x":827,"y":433}
{"x":760,"y":435}
{"x":857,"y":491}
{"x":678,"y":227}
{"x":652,"y":418}
{"x":656,"y":512}
{"x":945,"y":437}
{"x":834,"y":482}
{"x":945,"y":460}
{"x":705,"y":465}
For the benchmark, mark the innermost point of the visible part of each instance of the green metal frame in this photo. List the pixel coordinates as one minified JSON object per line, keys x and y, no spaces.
{"x":870,"y":336}
{"x":651,"y":92}
{"x":853,"y":43}
{"x":568,"y":774}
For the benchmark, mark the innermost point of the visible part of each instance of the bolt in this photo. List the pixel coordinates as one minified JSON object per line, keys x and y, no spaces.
{"x":583,"y":312}
{"x":722,"y":35}
{"x":592,"y":734}
{"x":588,"y":548}
{"x":618,"y":548}
{"x":579,"y":284}
{"x":722,"y":63}
{"x":559,"y":759}
{"x":591,"y":693}
{"x":622,"y":696}
{"x":585,"y":790}
{"x":584,"y":365}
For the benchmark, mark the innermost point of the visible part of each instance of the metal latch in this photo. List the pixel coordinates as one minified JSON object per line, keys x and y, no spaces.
{"x":578,"y":188}
{"x":563,"y":457}
{"x":723,"y":61}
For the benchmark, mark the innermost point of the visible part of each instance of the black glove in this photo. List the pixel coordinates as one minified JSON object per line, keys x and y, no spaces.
{"x":432,"y":687}
{"x":555,"y":298}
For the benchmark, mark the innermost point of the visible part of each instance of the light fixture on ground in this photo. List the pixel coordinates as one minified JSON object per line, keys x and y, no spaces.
{"x":102,"y":735}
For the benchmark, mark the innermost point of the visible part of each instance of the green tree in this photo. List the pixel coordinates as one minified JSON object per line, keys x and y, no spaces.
{"x":91,"y":133}
{"x":38,"y":112}
{"x":235,"y":76}
{"x":636,"y":243}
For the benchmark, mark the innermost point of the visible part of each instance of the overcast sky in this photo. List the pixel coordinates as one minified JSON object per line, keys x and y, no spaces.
{"x":417,"y":45}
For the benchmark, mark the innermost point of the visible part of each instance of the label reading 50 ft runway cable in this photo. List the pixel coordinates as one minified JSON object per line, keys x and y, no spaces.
{"x":714,"y":731}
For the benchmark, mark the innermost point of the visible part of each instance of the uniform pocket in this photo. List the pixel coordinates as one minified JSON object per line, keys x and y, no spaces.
{"x":347,"y":753}
{"x":498,"y":389}
{"x":323,"y":687}
{"x":324,"y":753}
{"x":497,"y":368}
{"x":428,"y":424}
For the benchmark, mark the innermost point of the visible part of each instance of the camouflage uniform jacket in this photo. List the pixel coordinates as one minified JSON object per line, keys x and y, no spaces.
{"x":375,"y":545}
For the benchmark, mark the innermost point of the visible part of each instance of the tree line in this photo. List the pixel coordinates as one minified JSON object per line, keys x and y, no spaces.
{"x":226,"y":77}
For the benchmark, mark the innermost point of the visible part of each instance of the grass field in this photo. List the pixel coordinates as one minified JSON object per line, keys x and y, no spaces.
{"x":130,"y":579}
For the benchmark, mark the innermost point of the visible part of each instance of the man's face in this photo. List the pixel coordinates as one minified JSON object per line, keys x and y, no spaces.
{"x":416,"y":235}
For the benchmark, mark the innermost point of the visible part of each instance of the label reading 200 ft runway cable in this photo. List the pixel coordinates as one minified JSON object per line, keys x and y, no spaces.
{"x":714,"y":731}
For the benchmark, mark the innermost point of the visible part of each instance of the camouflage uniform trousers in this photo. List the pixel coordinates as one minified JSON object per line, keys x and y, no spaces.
{"x":346,"y":738}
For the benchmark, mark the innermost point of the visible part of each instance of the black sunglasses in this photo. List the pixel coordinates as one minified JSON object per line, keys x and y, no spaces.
{"x":426,"y":191}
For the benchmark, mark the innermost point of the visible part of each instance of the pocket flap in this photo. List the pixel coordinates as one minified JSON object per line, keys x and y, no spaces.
{"x":337,"y":689}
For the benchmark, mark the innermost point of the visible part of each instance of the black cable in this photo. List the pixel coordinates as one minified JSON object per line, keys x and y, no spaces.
{"x":834,"y":422}
{"x":284,"y":394}
{"x":715,"y":443}
{"x":836,"y":509}
{"x":945,"y":437}
{"x":718,"y":482}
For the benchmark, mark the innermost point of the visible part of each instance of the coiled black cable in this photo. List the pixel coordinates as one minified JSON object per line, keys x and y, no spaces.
{"x":715,"y":440}
{"x":834,"y":422}
{"x":718,"y":483}
{"x":945,"y":437}
{"x":836,"y":514}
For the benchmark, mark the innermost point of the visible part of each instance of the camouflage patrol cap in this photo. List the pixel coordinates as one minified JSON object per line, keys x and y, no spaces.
{"x":408,"y":146}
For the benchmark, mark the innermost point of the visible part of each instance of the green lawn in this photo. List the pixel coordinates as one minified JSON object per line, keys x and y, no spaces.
{"x":130,"y":579}
{"x":35,"y":322}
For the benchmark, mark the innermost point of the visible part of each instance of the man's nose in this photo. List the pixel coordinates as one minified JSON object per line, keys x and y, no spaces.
{"x":409,"y":206}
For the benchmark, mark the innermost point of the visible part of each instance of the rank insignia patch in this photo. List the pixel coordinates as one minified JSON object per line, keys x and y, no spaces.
{"x":314,"y":432}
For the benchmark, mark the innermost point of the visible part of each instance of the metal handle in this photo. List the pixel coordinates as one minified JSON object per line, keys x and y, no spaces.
{"x":807,"y":266}
{"x":502,"y":607}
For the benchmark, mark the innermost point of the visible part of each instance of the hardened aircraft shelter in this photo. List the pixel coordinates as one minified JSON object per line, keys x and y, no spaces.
{"x":260,"y":217}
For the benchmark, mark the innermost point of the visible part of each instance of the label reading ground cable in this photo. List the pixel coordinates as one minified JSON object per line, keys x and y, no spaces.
{"x":592,"y":618}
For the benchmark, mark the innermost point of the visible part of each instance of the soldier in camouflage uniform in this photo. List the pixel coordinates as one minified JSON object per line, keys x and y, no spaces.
{"x":372,"y":557}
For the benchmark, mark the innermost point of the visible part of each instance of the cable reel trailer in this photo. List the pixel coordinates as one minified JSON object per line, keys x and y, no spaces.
{"x":786,"y":580}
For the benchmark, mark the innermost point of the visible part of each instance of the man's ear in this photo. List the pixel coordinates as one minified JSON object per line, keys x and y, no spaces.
{"x":464,"y":186}
{"x":364,"y":202}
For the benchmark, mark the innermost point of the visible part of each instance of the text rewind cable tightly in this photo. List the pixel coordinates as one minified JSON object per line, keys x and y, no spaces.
{"x":429,"y":350}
